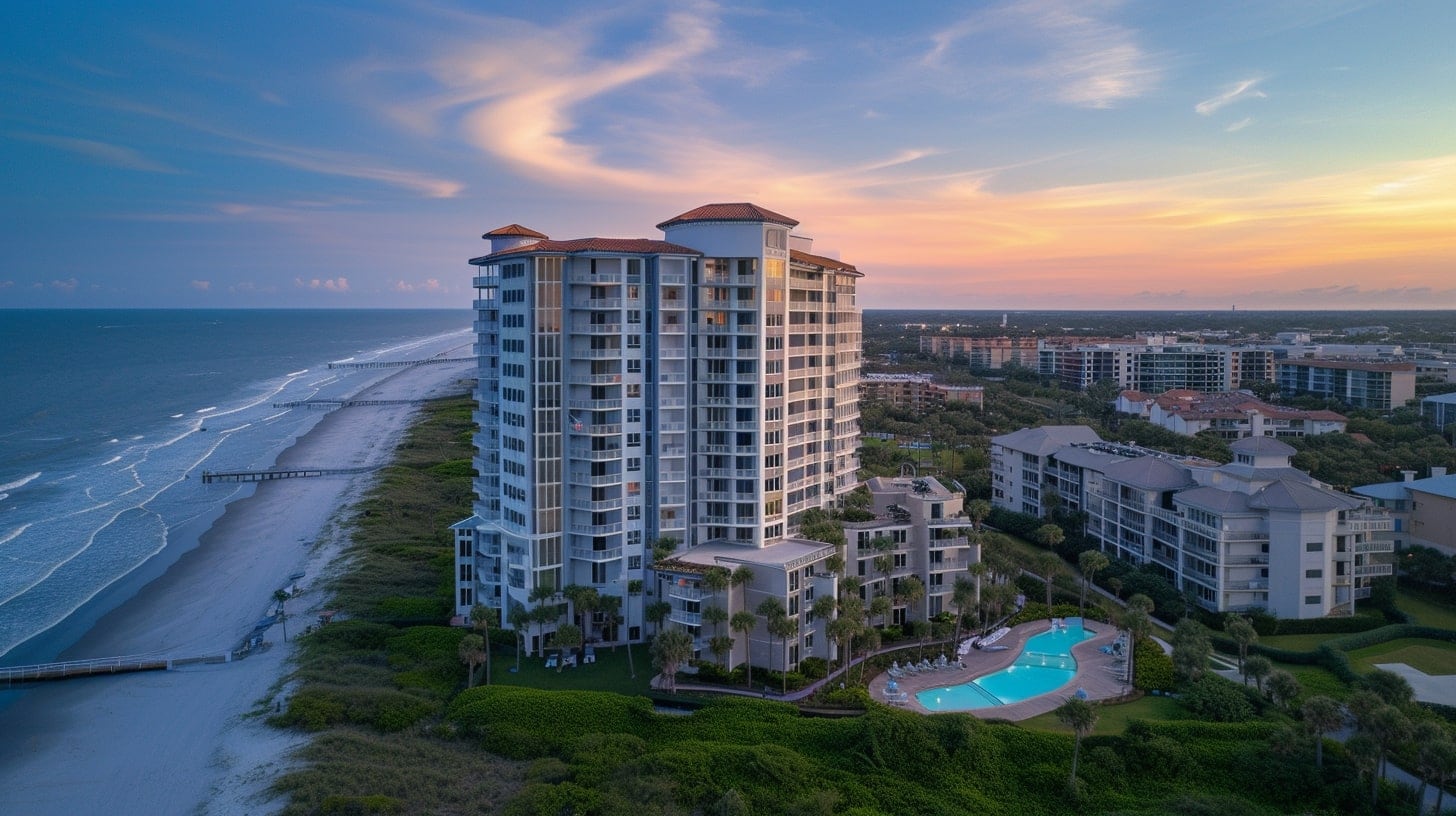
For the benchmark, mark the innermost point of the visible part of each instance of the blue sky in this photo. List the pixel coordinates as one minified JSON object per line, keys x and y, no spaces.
{"x":1022,"y":154}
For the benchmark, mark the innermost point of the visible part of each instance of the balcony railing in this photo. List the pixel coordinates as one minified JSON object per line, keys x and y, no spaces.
{"x":1367,"y":570}
{"x":687,"y":593}
{"x":1375,"y":547}
{"x":686,"y":618}
{"x":589,"y":554}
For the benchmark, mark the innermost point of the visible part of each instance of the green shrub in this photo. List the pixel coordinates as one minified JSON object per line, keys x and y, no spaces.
{"x":1152,"y":670}
{"x":814,"y":668}
{"x":855,"y":697}
{"x":344,"y":805}
{"x":1363,"y":622}
{"x":1213,"y":698}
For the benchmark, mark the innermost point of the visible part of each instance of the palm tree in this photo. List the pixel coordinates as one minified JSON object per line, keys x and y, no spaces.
{"x":1426,"y":736}
{"x":1258,"y":667}
{"x":280,"y":596}
{"x":1191,"y":648}
{"x":1389,"y":727}
{"x":1050,"y":536}
{"x":568,"y":637}
{"x":480,"y":616}
{"x":657,"y":612}
{"x":1439,"y":760}
{"x":742,"y":577}
{"x":744,"y":622}
{"x":1321,"y":716}
{"x":978,"y":510}
{"x":962,"y":596}
{"x":1365,"y":756}
{"x":1137,"y":618}
{"x":540,"y":594}
{"x":1389,"y":687}
{"x":472,"y":653}
{"x":520,"y":619}
{"x":1283,"y":688}
{"x":1238,"y":628}
{"x":542,"y":615}
{"x":1090,"y":561}
{"x":583,"y":600}
{"x":770,"y":609}
{"x":841,"y":632}
{"x":610,"y":606}
{"x":722,"y":646}
{"x":880,"y":607}
{"x":911,"y":592}
{"x":1051,"y":565}
{"x":851,"y":623}
{"x":670,"y":649}
{"x":1080,"y":716}
{"x":717,"y":616}
{"x":784,"y":627}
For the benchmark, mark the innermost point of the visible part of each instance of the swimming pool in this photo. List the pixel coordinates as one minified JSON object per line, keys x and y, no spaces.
{"x":1044,"y":665}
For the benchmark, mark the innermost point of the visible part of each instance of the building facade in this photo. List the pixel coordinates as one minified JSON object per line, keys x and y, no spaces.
{"x":1424,"y":510}
{"x":917,"y":392}
{"x":700,"y":390}
{"x":1230,"y":414}
{"x":983,"y":352}
{"x":1256,"y":533}
{"x":1378,"y":386}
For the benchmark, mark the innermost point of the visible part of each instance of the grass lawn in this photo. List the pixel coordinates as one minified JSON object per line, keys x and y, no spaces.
{"x":1316,"y":680}
{"x":1430,"y":656}
{"x":1113,"y":719}
{"x":609,"y":673}
{"x":1425,"y":612}
{"x":1296,"y":643}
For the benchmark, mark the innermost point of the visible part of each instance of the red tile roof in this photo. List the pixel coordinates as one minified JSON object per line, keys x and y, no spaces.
{"x":514,"y":231}
{"x":829,"y":264}
{"x":626,"y":246}
{"x":729,"y":212}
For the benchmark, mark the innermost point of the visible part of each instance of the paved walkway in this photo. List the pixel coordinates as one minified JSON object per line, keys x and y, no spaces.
{"x":1094,"y":674}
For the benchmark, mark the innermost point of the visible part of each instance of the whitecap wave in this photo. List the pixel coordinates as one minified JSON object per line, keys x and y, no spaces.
{"x":113,"y":460}
{"x":21,"y":482}
{"x":205,"y":410}
{"x":177,"y":416}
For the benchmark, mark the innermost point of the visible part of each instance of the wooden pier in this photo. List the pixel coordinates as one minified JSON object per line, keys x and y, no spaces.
{"x":350,"y":403}
{"x":403,"y":363}
{"x":65,"y":670}
{"x":273,"y":474}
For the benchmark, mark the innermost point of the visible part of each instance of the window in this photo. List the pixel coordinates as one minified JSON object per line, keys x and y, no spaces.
{"x":634,"y":463}
{"x":1314,"y":573}
{"x":634,"y":512}
{"x":634,"y":366}
{"x":1314,"y":546}
{"x":1311,"y":599}
{"x":634,"y":562}
{"x":634,"y":440}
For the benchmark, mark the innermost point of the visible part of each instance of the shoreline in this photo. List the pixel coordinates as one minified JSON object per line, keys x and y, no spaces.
{"x":183,"y":740}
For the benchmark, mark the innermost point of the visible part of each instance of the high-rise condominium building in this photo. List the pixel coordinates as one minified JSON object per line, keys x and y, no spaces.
{"x":701,"y":389}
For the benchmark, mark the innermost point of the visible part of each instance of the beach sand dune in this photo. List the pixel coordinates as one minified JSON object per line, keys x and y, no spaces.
{"x":179,"y":741}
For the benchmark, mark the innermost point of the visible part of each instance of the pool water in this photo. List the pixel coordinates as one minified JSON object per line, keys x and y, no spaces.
{"x":1044,"y":665}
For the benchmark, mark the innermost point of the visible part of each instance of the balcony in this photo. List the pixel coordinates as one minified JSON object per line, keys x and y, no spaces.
{"x":594,"y":405}
{"x":596,"y":379}
{"x":607,"y":480}
{"x":1375,"y":547}
{"x":589,"y":554}
{"x":597,"y":328}
{"x":589,"y":455}
{"x":587,"y":276}
{"x":947,"y":543}
{"x":597,"y":303}
{"x":1370,"y":570}
{"x":1366,"y":523}
{"x":1254,"y":586}
{"x":597,"y":529}
{"x":687,"y":593}
{"x":596,"y":506}
{"x":599,"y":429}
{"x":686,"y":618}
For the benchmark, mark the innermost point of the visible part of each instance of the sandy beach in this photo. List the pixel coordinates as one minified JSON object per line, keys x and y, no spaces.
{"x":181,"y":741}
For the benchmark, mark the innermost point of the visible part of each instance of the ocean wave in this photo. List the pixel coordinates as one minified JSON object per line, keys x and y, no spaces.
{"x":113,"y":460}
{"x":19,"y":483}
{"x":205,"y":410}
{"x":176,"y":416}
{"x":298,"y":373}
{"x":14,"y":534}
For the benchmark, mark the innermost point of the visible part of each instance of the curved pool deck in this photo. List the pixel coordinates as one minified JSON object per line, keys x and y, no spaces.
{"x":1092,"y":673}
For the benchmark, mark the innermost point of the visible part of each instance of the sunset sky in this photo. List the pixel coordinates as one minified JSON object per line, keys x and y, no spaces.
{"x":1052,"y":154}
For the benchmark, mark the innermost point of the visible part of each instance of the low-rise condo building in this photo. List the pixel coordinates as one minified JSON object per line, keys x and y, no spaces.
{"x":1230,"y":414}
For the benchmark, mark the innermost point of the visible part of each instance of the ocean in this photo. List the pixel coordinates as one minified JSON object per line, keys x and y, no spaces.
{"x":109,"y":417}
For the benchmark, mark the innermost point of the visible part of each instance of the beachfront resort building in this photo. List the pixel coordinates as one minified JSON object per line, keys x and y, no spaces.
{"x":917,"y":392}
{"x":1229,"y":414}
{"x":1253,"y":533}
{"x":693,"y":394}
{"x":1357,"y":383}
{"x":1424,"y":510}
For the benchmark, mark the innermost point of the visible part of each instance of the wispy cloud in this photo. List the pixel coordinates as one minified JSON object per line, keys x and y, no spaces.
{"x":1244,"y":89}
{"x":201,"y":285}
{"x":428,"y":285}
{"x":1239,"y":125}
{"x":100,"y":152}
{"x":68,"y":285}
{"x":1058,"y":47}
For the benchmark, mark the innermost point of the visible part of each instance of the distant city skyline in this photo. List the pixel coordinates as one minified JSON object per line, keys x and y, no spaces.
{"x":1021,"y":155}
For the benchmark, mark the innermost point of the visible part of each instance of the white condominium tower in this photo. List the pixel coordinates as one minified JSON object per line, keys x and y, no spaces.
{"x":701,"y":388}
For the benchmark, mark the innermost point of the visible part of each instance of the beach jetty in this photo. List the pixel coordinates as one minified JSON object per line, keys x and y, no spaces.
{"x":273,"y":474}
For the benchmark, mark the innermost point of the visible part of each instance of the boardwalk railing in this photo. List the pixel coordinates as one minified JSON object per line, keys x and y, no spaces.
{"x":349,"y":403}
{"x":403,"y":363}
{"x":81,"y":668}
{"x":272,"y":474}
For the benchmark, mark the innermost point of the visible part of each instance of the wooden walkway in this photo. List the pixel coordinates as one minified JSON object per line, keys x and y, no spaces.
{"x":274,"y":474}
{"x":349,"y":403}
{"x":102,"y":665}
{"x":403,"y":363}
